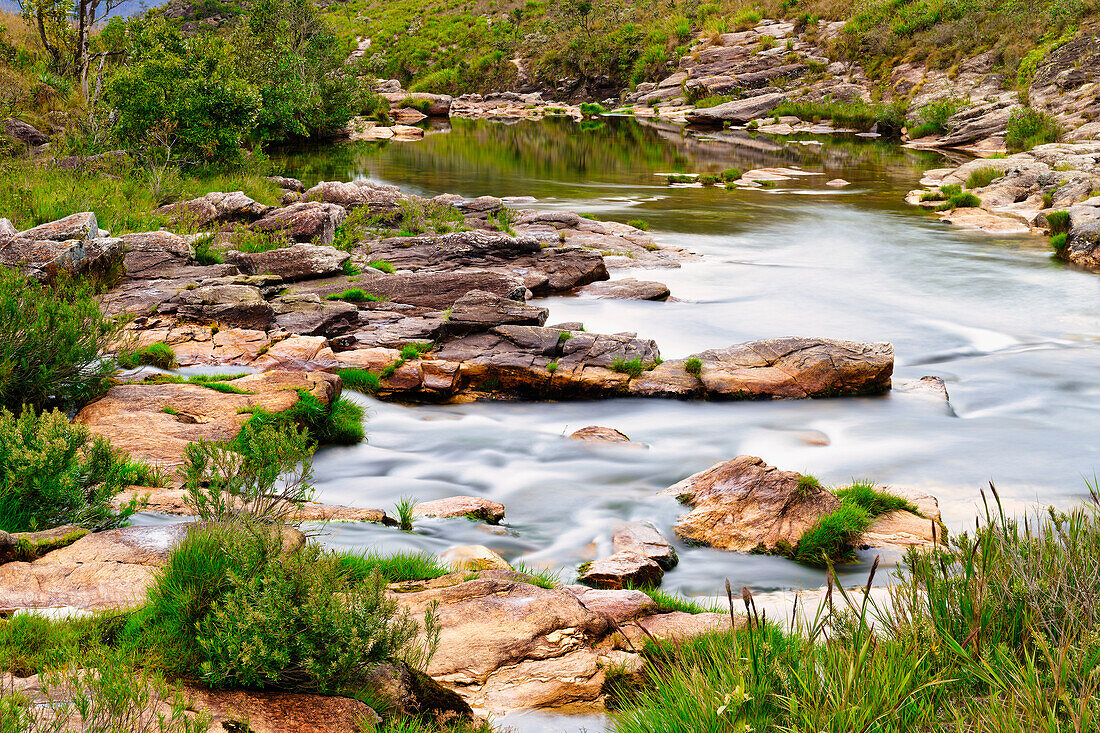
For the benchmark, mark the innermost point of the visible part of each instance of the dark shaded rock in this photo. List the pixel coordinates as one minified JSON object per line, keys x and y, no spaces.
{"x":28,"y":546}
{"x":240,"y":306}
{"x":308,"y":315}
{"x":305,"y":221}
{"x":296,"y":262}
{"x":478,"y":310}
{"x":620,"y":570}
{"x":1083,"y":245}
{"x":626,"y":289}
{"x":27,"y":134}
{"x":562,"y":269}
{"x":407,"y":691}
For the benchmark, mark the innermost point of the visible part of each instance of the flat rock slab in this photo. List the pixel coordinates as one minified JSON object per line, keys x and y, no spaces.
{"x":620,"y":570}
{"x":599,"y":434}
{"x":132,"y":416}
{"x":111,"y":569}
{"x":471,"y":507}
{"x":626,"y":289}
{"x":743,"y":504}
{"x":293,"y":263}
{"x":282,"y":712}
{"x":619,"y":606}
{"x":173,"y":501}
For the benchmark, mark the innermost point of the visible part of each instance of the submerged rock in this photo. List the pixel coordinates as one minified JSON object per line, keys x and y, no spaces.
{"x":472,"y":507}
{"x":626,"y":289}
{"x":642,"y":538}
{"x":599,"y":434}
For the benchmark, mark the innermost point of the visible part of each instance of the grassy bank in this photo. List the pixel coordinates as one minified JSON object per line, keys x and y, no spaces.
{"x":995,"y":631}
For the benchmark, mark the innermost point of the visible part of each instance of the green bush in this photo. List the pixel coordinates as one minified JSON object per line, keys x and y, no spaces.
{"x":1058,"y":222}
{"x":51,"y":338}
{"x":53,"y":473}
{"x":239,"y":607}
{"x":1029,"y":127}
{"x":159,"y":354}
{"x":263,"y":475}
{"x":982,"y":177}
{"x":933,"y":118}
{"x":1059,"y":241}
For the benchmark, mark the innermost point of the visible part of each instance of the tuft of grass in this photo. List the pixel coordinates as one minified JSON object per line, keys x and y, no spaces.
{"x":349,"y":268}
{"x":889,"y":119}
{"x":360,"y":380}
{"x":982,"y":177}
{"x":960,"y":201}
{"x":542,"y":578}
{"x":552,"y":367}
{"x":159,"y":354}
{"x":404,"y":509}
{"x":634,"y":367}
{"x":1058,"y":242}
{"x":639,"y":224}
{"x":694,"y":366}
{"x":1058,"y":222}
{"x":415,"y":350}
{"x":808,"y":483}
{"x":354,"y":295}
{"x":396,"y":568}
{"x":382,"y":266}
{"x":668,"y":602}
{"x":876,"y":501}
{"x":832,"y":538}
{"x":205,"y":254}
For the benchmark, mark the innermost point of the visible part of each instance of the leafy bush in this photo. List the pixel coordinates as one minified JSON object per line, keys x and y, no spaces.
{"x":50,"y":343}
{"x":263,"y":475}
{"x":1058,"y":222}
{"x":52,"y":473}
{"x":238,"y":606}
{"x":159,"y":354}
{"x":1028,"y":127}
{"x":982,"y":177}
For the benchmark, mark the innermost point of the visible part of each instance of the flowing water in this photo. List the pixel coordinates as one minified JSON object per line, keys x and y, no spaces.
{"x":1015,"y":335}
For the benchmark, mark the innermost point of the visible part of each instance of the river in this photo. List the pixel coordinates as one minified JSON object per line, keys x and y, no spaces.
{"x":1015,"y":335}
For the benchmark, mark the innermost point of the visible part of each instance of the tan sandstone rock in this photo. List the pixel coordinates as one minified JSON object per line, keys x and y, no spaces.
{"x":473,"y":507}
{"x":474,"y":557}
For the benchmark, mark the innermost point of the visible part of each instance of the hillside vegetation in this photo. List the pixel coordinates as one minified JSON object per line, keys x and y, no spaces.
{"x":457,"y":46}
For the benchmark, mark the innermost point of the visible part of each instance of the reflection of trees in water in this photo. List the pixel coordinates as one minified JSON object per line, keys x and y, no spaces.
{"x":619,"y":150}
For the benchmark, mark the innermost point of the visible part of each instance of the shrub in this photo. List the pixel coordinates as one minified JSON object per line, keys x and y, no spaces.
{"x":349,"y":268}
{"x":1058,"y":222}
{"x":240,"y":608}
{"x":50,"y":344}
{"x":1029,"y":127}
{"x":205,"y":254}
{"x":1058,"y":242}
{"x":264,"y":475}
{"x":589,"y":109}
{"x":52,"y":473}
{"x":694,"y":366}
{"x":832,"y":538}
{"x":729,"y":175}
{"x":159,"y":354}
{"x":934,"y":116}
{"x":982,"y":177}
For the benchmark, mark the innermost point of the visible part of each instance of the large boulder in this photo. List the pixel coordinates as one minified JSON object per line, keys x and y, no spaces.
{"x":622,"y":569}
{"x":44,"y":259}
{"x":440,"y":289}
{"x":379,"y":198}
{"x":156,"y":254}
{"x":79,"y":227}
{"x":133,"y":418}
{"x":305,"y":221}
{"x":25,"y":133}
{"x":216,"y":208}
{"x":797,"y":367}
{"x":239,"y":306}
{"x":642,"y":538}
{"x":308,"y":315}
{"x":1083,"y":245}
{"x":738,"y":111}
{"x":296,"y":262}
{"x":478,"y":310}
{"x":744,"y":505}
{"x":627,"y":288}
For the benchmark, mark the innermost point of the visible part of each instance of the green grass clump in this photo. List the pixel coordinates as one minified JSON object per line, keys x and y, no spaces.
{"x":396,"y":568}
{"x":875,"y":501}
{"x":833,"y":537}
{"x":679,"y":178}
{"x":668,"y":602}
{"x":808,"y":483}
{"x":354,"y":295}
{"x":589,"y":109}
{"x":359,"y":379}
{"x":729,"y":175}
{"x":542,"y":578}
{"x":1028,"y":127}
{"x":889,"y":119}
{"x":205,"y":254}
{"x":960,"y":201}
{"x":933,"y":118}
{"x":159,"y":354}
{"x":349,"y":268}
{"x":634,"y":367}
{"x":340,"y":423}
{"x":406,"y":511}
{"x":1058,"y":222}
{"x":694,"y":366}
{"x":415,"y":350}
{"x":1058,"y":242}
{"x":382,"y":266}
{"x":982,"y":177}
{"x":53,"y":472}
{"x":639,"y":224}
